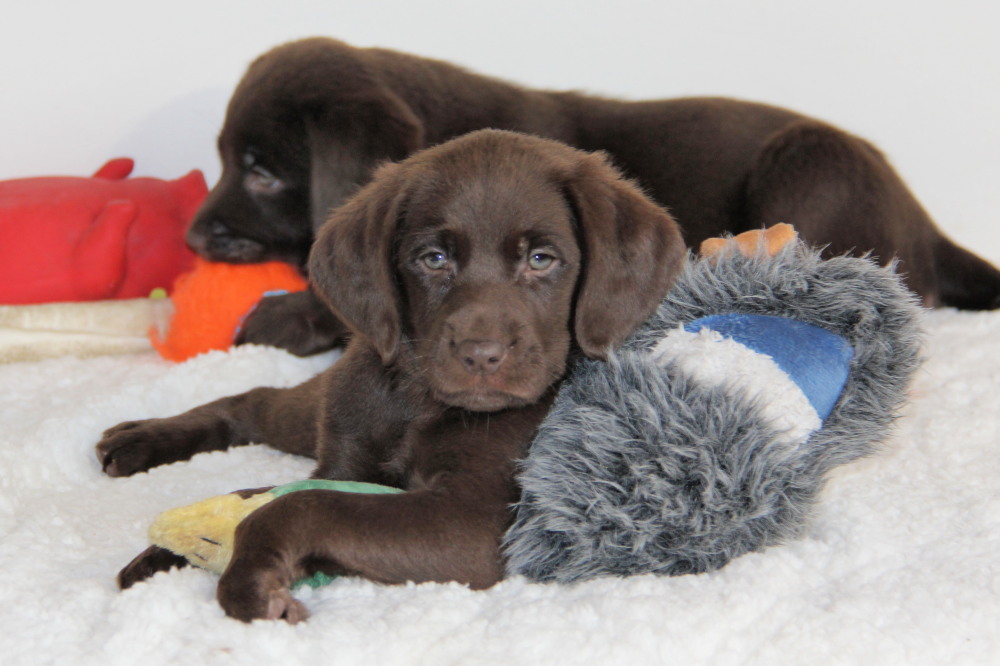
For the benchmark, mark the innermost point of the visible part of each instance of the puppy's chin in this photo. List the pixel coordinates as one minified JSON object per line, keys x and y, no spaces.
{"x":484,"y":399}
{"x":487,"y":393}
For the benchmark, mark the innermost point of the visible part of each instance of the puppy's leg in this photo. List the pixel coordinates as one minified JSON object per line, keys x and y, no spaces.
{"x":415,"y":536}
{"x":283,"y":418}
{"x":838,"y":191}
{"x":965,"y":281}
{"x":150,"y":561}
{"x":298,"y":322}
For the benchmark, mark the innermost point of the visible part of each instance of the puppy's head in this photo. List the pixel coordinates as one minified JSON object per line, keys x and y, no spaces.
{"x":478,"y":265}
{"x":304,"y":129}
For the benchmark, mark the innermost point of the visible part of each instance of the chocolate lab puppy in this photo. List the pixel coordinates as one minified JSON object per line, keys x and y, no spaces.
{"x":310,"y":121}
{"x":471,"y":274}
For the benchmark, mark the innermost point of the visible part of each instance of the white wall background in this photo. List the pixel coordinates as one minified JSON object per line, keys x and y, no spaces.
{"x":81,"y":82}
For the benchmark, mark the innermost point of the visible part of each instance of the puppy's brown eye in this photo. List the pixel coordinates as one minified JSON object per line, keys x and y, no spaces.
{"x":434,"y":260}
{"x":540,"y":261}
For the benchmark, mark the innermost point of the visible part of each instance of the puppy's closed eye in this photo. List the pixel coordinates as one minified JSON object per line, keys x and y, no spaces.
{"x":259,"y":179}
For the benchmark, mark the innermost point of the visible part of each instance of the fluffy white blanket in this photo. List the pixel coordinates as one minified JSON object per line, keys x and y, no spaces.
{"x":900,"y":564}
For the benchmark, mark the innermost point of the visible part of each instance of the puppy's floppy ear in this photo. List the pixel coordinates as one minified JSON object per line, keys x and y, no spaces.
{"x":632,"y":252}
{"x":348,"y":137}
{"x":351,"y":263}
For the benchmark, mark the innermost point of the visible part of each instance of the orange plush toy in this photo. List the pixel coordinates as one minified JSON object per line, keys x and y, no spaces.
{"x":212,"y":300}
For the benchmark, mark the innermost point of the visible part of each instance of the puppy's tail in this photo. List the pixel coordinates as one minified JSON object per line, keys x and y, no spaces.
{"x":965,"y":281}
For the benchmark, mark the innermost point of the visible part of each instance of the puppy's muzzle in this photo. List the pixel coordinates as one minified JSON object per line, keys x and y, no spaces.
{"x":217,"y":242}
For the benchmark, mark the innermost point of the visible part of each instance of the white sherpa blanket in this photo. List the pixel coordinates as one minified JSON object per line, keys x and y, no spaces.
{"x":900,"y":565}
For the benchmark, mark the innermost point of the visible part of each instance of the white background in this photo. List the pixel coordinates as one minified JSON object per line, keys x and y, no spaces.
{"x":82,"y":82}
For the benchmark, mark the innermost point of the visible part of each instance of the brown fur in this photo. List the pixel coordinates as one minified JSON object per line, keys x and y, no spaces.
{"x":318,"y":115}
{"x":471,"y":275}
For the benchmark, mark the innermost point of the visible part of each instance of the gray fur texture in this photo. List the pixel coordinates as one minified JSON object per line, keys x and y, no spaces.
{"x":638,"y":469}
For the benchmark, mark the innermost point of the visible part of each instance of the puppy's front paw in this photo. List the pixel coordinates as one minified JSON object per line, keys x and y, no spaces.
{"x":136,"y":446}
{"x":261,"y":595}
{"x":297,"y":322}
{"x":282,"y":605}
{"x":126,"y":449}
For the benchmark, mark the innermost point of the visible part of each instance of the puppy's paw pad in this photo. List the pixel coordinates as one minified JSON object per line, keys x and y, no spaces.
{"x":282,"y":605}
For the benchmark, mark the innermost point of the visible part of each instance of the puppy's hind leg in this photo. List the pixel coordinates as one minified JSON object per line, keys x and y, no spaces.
{"x":150,"y":561}
{"x":840,"y":192}
{"x":965,"y":281}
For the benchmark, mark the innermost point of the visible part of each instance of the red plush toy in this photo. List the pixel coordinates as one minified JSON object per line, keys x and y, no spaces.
{"x":87,"y":239}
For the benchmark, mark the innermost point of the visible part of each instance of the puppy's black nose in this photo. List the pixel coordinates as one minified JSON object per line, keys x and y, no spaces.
{"x":481,"y":356}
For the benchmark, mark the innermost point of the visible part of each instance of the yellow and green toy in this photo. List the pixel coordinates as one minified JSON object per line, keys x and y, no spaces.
{"x":203,"y":532}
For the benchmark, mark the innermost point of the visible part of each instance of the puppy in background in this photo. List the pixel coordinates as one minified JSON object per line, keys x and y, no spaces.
{"x":310,"y":121}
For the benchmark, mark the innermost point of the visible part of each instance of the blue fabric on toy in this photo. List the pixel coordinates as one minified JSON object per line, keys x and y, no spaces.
{"x":817,"y":360}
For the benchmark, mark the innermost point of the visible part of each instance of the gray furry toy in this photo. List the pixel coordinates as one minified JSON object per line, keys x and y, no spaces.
{"x":711,"y":432}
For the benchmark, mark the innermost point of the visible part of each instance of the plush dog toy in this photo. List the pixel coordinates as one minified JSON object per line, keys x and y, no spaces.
{"x":707,"y":436}
{"x":711,"y":432}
